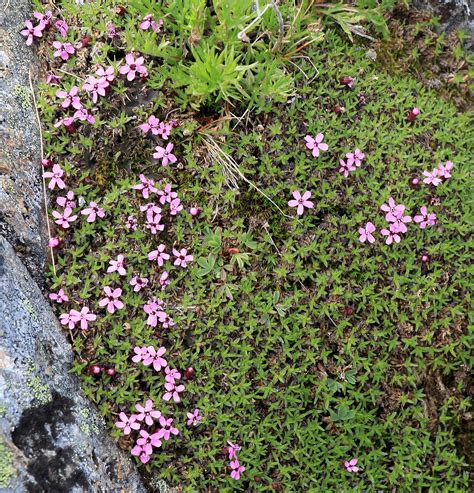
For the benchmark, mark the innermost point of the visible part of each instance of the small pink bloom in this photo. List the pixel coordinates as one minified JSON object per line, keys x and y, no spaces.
{"x":366,"y":233}
{"x":56,"y":177}
{"x":31,"y":31}
{"x":237,"y":469}
{"x":351,"y":465}
{"x":59,"y":297}
{"x":164,"y":280}
{"x":133,"y":67}
{"x":138,"y":283}
{"x":148,"y":441}
{"x":95,"y":87}
{"x":355,"y":157}
{"x":127,"y":424}
{"x":167,"y":428}
{"x":117,"y":265}
{"x":182,"y":257}
{"x":316,"y":144}
{"x":70,"y":319}
{"x":301,"y":202}
{"x":153,"y":223}
{"x":391,"y":234}
{"x":84,"y":317}
{"x":92,"y":212}
{"x":232,"y":450}
{"x":432,"y":178}
{"x":107,"y":74}
{"x":159,"y":255}
{"x":54,"y":242}
{"x":175,"y":207}
{"x":147,"y":412}
{"x":141,"y":353}
{"x":150,"y":208}
{"x":194,"y":211}
{"x":140,"y":452}
{"x":131,"y":223}
{"x":194,"y":418}
{"x":111,"y":300}
{"x":166,"y":195}
{"x":444,"y":170}
{"x":70,"y":98}
{"x":146,"y":186}
{"x":84,"y":116}
{"x":65,"y":219}
{"x":165,"y":154}
{"x":62,"y":27}
{"x":148,"y":22}
{"x":63,"y":50}
{"x":346,"y":167}
{"x":393,"y":211}
{"x":67,"y":201}
{"x":172,"y":391}
{"x":424,"y":219}
{"x":155,"y":357}
{"x":52,"y":79}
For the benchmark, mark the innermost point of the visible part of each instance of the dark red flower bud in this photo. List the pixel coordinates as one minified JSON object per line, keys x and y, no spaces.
{"x":412,"y":114}
{"x":233,"y":251}
{"x":425,"y":258}
{"x":47,"y":163}
{"x":189,"y":373}
{"x":120,"y":10}
{"x":415,"y":182}
{"x":111,"y":372}
{"x":94,"y":370}
{"x":85,"y":41}
{"x":339,"y":109}
{"x":347,"y":81}
{"x":348,"y":310}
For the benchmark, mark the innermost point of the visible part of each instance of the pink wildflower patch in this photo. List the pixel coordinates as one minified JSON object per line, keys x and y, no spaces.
{"x":155,"y":357}
{"x":147,"y":413}
{"x":146,"y":186}
{"x":194,"y":418}
{"x":391,"y":234}
{"x":63,"y":50}
{"x":167,"y":428}
{"x":171,"y":375}
{"x":138,"y":283}
{"x":182,"y":257}
{"x":351,"y":465}
{"x":355,"y":157}
{"x":67,"y":201}
{"x":59,"y":297}
{"x":95,"y":87}
{"x":159,"y":255}
{"x":93,"y":212}
{"x":432,"y":177}
{"x":236,"y":469}
{"x":346,"y":166}
{"x":172,"y":392}
{"x":30,"y":31}
{"x":70,"y":98}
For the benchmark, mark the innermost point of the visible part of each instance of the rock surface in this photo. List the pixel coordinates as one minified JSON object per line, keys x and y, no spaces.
{"x":51,"y":438}
{"x":56,"y":441}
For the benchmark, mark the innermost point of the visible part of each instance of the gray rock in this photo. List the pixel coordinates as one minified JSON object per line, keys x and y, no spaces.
{"x":55,"y":439}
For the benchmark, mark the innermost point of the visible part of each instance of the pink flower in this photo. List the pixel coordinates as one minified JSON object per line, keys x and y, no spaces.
{"x":316,"y":144}
{"x":107,"y":74}
{"x":56,"y":177}
{"x":153,"y":309}
{"x":65,"y":219}
{"x":96,"y":87}
{"x":157,"y":128}
{"x":301,"y":201}
{"x":150,"y":207}
{"x":31,"y":31}
{"x":412,"y":114}
{"x":351,"y":465}
{"x":67,"y":122}
{"x":138,"y":451}
{"x":194,"y":418}
{"x":148,"y":22}
{"x":164,"y":280}
{"x":138,"y":283}
{"x":345,"y":167}
{"x":141,"y":353}
{"x":54,"y":242}
{"x":67,"y":201}
{"x":237,"y":469}
{"x":59,"y":297}
{"x":52,"y":79}
{"x":147,"y":442}
{"x":155,"y":357}
{"x":62,"y":27}
{"x":394,"y":211}
{"x":175,"y":207}
{"x":146,"y":186}
{"x":70,"y":319}
{"x":84,"y":116}
{"x":366,"y":233}
{"x":84,"y":316}
{"x":166,"y":195}
{"x":63,"y":50}
{"x":391,"y":234}
{"x":70,"y":98}
{"x":167,"y":428}
{"x":93,"y":211}
{"x":111,"y":300}
{"x":159,"y":255}
{"x":132,"y":67}
{"x":232,"y":450}
{"x":172,"y":391}
{"x":444,"y":171}
{"x":432,"y":178}
{"x":171,"y":375}
{"x":165,"y":319}
{"x":127,"y":424}
{"x":399,"y":224}
{"x":147,"y":412}
{"x":194,"y":211}
{"x":425,"y":219}
{"x":153,"y":223}
{"x":46,"y":17}
{"x":165,"y":154}
{"x":131,"y":223}
{"x":347,"y":80}
{"x":182,"y":257}
{"x":112,"y":31}
{"x":355,"y":157}
{"x":117,"y":265}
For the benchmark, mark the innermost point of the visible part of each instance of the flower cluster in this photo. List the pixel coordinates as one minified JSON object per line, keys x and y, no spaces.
{"x":439,"y":174}
{"x":236,"y":469}
{"x":32,"y":31}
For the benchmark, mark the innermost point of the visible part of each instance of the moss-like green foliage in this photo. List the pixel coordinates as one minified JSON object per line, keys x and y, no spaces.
{"x":39,"y":391}
{"x":6,"y":465}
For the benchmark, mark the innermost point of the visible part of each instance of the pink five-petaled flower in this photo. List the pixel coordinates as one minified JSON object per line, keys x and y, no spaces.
{"x":444,"y":170}
{"x":232,"y":450}
{"x":148,"y":22}
{"x":138,"y":283}
{"x":301,"y":201}
{"x":54,"y":242}
{"x":366,"y":233}
{"x":393,"y":211}
{"x":65,"y":219}
{"x":147,"y":412}
{"x":172,"y":391}
{"x":164,"y":280}
{"x":84,"y":317}
{"x":127,"y":424}
{"x":141,"y":353}
{"x":92,"y":212}
{"x":67,"y":201}
{"x":147,"y":441}
{"x":132,"y":67}
{"x":146,"y":186}
{"x":171,"y":375}
{"x":351,"y":465}
{"x":316,"y":144}
{"x":150,"y":207}
{"x":153,"y":309}
{"x":391,"y":234}
{"x":432,"y":178}
{"x":156,"y":127}
{"x":70,"y":319}
{"x":153,"y":223}
{"x":399,"y":224}
{"x":59,"y":297}
{"x":165,"y":154}
{"x":194,"y":418}
{"x":131,"y":223}
{"x":111,"y":300}
{"x":355,"y":157}
{"x":117,"y":265}
{"x":95,"y":87}
{"x":155,"y":357}
{"x":167,"y":428}
{"x":106,"y":74}
{"x":84,"y":116}
{"x":63,"y":50}
{"x":175,"y":207}
{"x":425,"y":219}
{"x":70,"y":98}
{"x":237,"y":469}
{"x":346,"y":167}
{"x":56,"y":177}
{"x":166,"y":195}
{"x":140,"y":452}
{"x":31,"y":31}
{"x":159,"y":255}
{"x":182,"y":257}
{"x":62,"y":27}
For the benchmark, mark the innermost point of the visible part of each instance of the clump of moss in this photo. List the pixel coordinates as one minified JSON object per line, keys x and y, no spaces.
{"x":6,"y":465}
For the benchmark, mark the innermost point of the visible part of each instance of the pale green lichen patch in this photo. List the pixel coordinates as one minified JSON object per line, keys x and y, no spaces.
{"x":23,"y":94}
{"x":6,"y":465}
{"x":39,"y":390}
{"x":88,"y":421}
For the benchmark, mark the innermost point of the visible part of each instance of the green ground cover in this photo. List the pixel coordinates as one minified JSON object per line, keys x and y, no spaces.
{"x":308,"y":347}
